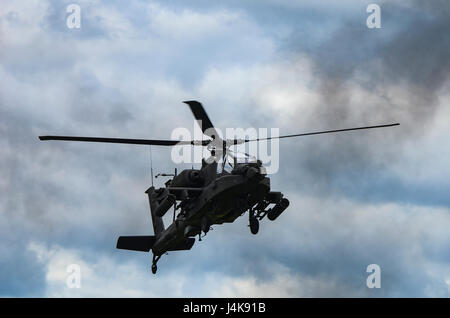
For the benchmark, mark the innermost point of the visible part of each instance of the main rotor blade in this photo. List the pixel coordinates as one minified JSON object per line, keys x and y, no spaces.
{"x":200,"y":115}
{"x":323,"y":132}
{"x":120,"y":140}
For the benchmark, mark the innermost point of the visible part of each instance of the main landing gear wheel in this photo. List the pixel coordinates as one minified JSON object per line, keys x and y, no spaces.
{"x":154,"y":268}
{"x":254,"y":223}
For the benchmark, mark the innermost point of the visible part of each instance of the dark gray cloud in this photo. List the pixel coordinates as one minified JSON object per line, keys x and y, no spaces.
{"x":410,"y":52}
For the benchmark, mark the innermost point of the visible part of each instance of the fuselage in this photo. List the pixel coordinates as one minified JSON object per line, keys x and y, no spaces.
{"x":223,"y":200}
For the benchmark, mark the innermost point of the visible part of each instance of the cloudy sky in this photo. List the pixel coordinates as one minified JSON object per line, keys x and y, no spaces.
{"x":369,"y":197}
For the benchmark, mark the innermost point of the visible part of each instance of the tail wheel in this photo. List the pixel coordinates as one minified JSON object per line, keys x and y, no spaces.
{"x":254,"y":225}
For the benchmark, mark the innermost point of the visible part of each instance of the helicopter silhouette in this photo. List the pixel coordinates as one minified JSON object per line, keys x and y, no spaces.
{"x":205,"y":196}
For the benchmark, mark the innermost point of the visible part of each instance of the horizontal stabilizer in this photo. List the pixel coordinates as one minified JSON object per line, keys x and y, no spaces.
{"x":136,"y":243}
{"x":184,"y":245}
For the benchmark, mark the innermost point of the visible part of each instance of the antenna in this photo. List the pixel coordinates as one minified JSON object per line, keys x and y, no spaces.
{"x":151,"y":165}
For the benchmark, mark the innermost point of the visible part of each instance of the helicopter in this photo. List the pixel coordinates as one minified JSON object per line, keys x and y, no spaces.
{"x":205,"y":197}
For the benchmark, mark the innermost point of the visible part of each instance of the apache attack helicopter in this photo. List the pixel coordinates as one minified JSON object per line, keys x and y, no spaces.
{"x":204,"y":196}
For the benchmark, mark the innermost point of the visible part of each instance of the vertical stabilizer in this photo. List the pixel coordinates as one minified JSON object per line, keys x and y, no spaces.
{"x":158,"y":224}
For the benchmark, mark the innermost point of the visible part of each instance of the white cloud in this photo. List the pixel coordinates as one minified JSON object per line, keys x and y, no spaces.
{"x":283,"y":284}
{"x":278,"y":90}
{"x":101,"y":276}
{"x":187,"y":24}
{"x":20,"y":22}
